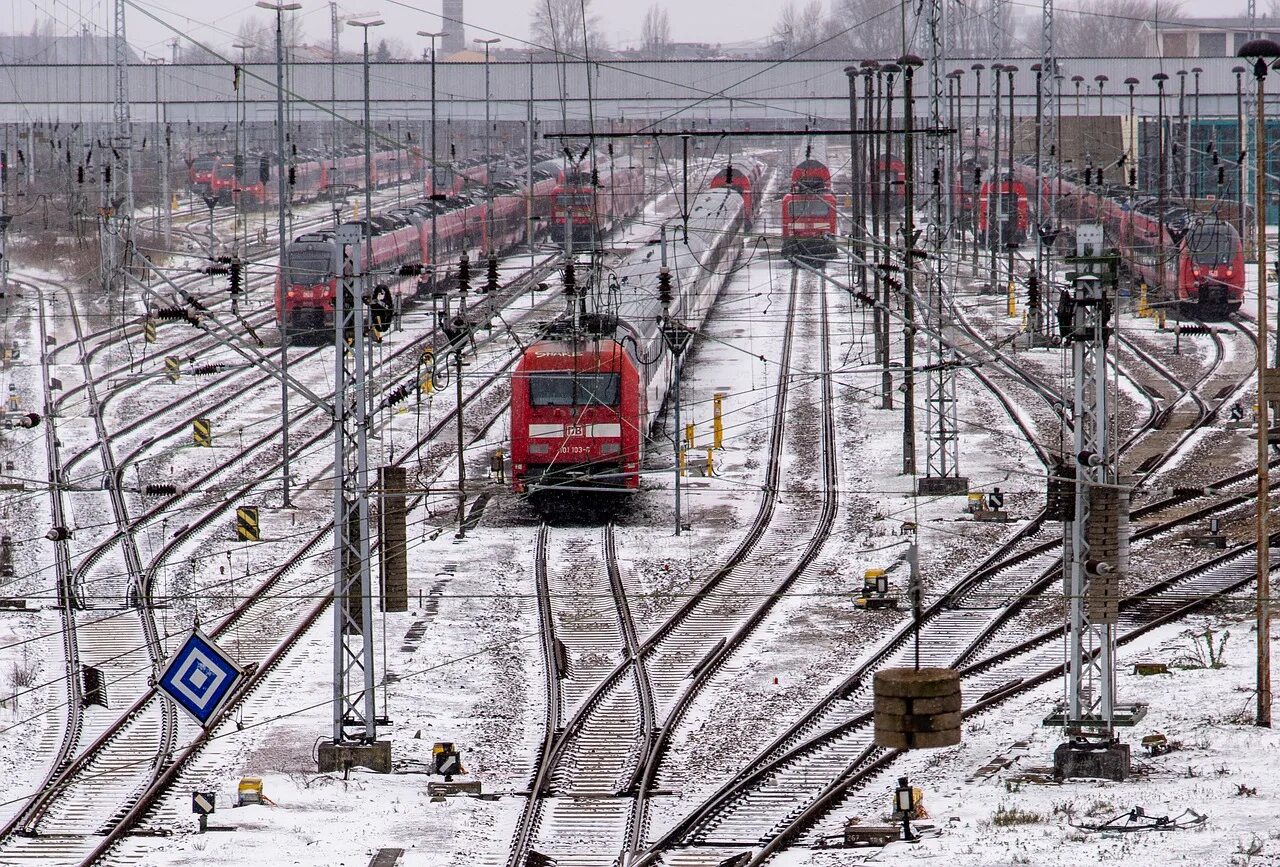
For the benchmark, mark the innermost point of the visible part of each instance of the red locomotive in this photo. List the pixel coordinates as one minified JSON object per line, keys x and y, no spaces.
{"x":745,"y":177}
{"x":889,"y":173}
{"x":809,"y":212}
{"x":584,"y":398}
{"x":200,"y":175}
{"x":1006,"y":200}
{"x":584,"y":203}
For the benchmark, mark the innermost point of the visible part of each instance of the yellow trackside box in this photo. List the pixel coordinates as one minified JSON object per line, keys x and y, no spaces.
{"x":250,"y":791}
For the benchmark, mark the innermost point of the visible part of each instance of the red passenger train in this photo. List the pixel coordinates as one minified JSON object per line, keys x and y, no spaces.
{"x":252,"y":178}
{"x":1197,"y":262}
{"x":584,"y":398}
{"x":809,"y":212}
{"x":403,"y":236}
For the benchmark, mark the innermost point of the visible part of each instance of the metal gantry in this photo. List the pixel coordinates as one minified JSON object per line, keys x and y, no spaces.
{"x":353,"y":694}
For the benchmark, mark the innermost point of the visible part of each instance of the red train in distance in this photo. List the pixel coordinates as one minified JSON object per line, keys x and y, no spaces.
{"x":581,"y":202}
{"x":889,"y":172}
{"x":584,"y":397}
{"x":1006,"y":200}
{"x":1197,"y":262}
{"x":403,"y":237}
{"x":745,"y":176}
{"x":308,"y":180}
{"x":809,"y":212}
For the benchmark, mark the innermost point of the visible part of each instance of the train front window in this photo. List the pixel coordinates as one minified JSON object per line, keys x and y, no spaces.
{"x":1009,"y":202}
{"x":574,"y":389}
{"x":1212,"y":245}
{"x":204,"y":164}
{"x":309,"y":266}
{"x":809,"y":208}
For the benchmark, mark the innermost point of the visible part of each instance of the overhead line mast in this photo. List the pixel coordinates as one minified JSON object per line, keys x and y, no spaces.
{"x":942,"y":446}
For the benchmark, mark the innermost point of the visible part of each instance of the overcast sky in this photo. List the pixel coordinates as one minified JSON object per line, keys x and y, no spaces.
{"x":697,"y":21}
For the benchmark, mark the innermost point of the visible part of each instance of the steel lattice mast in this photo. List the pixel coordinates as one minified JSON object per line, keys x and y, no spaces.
{"x":1090,"y":686}
{"x":353,"y":694}
{"x":116,"y":211}
{"x":942,"y":445}
{"x":1046,"y":131}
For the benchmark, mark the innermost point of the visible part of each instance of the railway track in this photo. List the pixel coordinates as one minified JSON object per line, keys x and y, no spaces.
{"x":681,"y":643}
{"x":776,"y":792}
{"x":265,"y":646}
{"x":121,"y":743}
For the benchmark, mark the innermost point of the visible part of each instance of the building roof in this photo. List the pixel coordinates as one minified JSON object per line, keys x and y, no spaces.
{"x":83,"y":48}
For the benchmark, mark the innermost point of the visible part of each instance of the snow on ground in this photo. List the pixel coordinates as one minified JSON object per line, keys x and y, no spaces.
{"x":1222,"y":766}
{"x":467,"y":666}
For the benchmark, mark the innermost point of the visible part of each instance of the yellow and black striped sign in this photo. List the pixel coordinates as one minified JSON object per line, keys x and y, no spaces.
{"x":149,"y":330}
{"x":172,"y":367}
{"x":247,"y":528}
{"x":202,"y":432}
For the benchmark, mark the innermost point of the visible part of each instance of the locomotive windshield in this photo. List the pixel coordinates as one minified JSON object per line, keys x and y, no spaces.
{"x":205,"y":164}
{"x":1212,"y":244}
{"x":574,"y":389}
{"x":309,"y":265}
{"x":809,"y":208}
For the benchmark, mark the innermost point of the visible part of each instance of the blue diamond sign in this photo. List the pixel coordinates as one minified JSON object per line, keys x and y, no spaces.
{"x":200,"y":677}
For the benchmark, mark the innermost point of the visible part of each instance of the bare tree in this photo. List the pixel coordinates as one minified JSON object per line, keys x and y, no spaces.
{"x":656,"y":32}
{"x":800,"y":29}
{"x":869,"y":28}
{"x":1110,"y":28}
{"x":559,"y":25}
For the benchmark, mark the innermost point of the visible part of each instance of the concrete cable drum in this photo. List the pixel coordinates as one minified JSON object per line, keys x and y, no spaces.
{"x":917,"y":708}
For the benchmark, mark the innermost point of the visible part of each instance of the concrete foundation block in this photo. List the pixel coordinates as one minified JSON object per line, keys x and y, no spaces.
{"x":1072,"y":761}
{"x":942,"y":486}
{"x":340,"y":757}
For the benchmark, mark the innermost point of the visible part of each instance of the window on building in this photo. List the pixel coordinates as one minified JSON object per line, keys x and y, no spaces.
{"x":1175,"y":45}
{"x":1213,"y":45}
